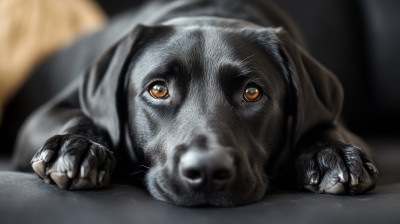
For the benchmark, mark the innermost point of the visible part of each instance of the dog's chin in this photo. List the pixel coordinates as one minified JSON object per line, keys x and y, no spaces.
{"x":170,"y":191}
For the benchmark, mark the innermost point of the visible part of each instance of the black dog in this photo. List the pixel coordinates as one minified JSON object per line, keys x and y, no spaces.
{"x":212,"y":100}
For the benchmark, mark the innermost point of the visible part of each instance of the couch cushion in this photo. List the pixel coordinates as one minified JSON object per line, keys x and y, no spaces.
{"x":27,"y":199}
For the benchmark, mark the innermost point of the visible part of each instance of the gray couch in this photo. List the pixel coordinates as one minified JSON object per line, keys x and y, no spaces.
{"x":358,"y":40}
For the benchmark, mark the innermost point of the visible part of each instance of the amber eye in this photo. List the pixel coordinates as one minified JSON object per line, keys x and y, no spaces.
{"x":252,"y":94}
{"x":159,"y":90}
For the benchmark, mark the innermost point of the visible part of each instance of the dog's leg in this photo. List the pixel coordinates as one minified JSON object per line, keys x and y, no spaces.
{"x":79,"y":157}
{"x":334,"y":161}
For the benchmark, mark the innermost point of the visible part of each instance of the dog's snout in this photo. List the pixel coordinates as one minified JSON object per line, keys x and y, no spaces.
{"x":207,"y":170}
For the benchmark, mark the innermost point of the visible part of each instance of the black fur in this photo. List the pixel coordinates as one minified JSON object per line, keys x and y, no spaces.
{"x":204,"y":143}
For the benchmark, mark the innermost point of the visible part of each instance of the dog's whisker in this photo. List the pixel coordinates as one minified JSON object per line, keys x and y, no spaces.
{"x":248,"y":59}
{"x":243,"y":63}
{"x":144,"y":166}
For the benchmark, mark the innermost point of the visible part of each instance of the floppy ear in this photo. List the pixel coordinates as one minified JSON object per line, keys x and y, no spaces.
{"x":102,"y":89}
{"x":317,"y":95}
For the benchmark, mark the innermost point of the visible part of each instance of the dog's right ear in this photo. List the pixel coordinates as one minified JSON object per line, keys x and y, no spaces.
{"x":101,"y":85}
{"x":102,"y":90}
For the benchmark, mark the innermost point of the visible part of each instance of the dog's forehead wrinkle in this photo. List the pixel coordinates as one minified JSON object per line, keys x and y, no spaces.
{"x":211,"y":22}
{"x":209,"y":43}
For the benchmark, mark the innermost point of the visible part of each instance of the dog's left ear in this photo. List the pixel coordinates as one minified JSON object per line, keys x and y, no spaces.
{"x":102,"y":87}
{"x":316,"y":94}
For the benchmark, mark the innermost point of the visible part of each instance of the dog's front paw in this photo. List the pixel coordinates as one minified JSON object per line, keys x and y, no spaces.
{"x":336,"y":168}
{"x":73,"y":162}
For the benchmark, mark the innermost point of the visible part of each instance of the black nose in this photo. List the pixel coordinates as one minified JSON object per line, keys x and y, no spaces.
{"x":207,"y":170}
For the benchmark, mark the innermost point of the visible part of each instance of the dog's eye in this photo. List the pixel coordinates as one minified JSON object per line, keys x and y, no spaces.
{"x":159,"y":90}
{"x":251,"y":94}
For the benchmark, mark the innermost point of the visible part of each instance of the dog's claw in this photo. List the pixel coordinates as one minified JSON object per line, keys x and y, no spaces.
{"x":71,"y":174}
{"x":100,"y":178}
{"x":314,"y":179}
{"x":335,"y":189}
{"x":60,"y":179}
{"x":371,"y":167}
{"x":82,"y":183}
{"x":354,"y":180}
{"x":40,"y":160}
{"x":40,"y":168}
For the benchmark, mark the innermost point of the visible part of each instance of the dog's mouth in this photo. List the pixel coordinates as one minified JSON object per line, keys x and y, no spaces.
{"x":167,"y":189}
{"x":166,"y":186}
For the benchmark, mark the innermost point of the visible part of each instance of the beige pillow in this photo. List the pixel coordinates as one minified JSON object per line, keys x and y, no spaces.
{"x":30,"y":30}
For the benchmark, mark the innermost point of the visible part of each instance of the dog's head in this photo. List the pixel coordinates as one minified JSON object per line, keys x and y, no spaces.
{"x":211,"y":106}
